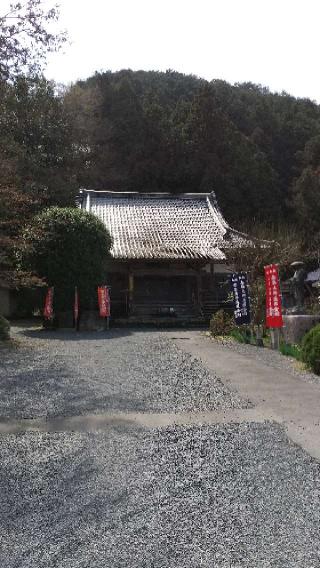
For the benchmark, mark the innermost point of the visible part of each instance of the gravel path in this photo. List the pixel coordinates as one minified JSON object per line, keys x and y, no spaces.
{"x":65,"y":374}
{"x":272,"y":358}
{"x":232,"y":495}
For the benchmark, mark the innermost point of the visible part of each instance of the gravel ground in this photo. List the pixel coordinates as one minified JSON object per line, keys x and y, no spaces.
{"x":239,"y":496}
{"x":212,"y":496}
{"x":272,"y":358}
{"x":63,"y":374}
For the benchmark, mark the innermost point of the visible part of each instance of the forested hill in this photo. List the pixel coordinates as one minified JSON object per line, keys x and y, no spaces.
{"x":152,"y":131}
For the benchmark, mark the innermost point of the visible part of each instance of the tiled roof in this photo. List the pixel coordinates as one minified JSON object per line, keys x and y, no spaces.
{"x":162,"y":226}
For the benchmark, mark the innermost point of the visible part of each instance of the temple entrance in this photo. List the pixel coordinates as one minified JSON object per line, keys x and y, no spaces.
{"x":158,"y":296}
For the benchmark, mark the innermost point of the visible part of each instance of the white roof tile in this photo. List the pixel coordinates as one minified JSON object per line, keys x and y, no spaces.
{"x":162,"y":226}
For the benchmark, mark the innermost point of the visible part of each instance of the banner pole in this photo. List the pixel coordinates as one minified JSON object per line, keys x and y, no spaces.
{"x":76,"y":308}
{"x":275,"y":337}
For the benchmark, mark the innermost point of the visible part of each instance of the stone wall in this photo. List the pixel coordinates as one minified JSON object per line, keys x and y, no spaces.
{"x":295,"y":326}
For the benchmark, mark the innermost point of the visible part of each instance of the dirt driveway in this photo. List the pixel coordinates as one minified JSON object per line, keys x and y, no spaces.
{"x":124,"y":449}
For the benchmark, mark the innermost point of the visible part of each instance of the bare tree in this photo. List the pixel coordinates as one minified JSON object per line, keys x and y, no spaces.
{"x":25,"y":37}
{"x":270,"y":244}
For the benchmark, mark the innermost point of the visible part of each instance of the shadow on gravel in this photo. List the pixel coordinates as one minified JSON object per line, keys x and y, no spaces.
{"x":229,"y":495}
{"x":70,"y":335}
{"x":34,"y":331}
{"x":53,"y":392}
{"x":62,"y":373}
{"x":69,"y":498}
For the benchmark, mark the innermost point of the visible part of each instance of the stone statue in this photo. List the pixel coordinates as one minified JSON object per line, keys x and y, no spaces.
{"x":297,"y":286}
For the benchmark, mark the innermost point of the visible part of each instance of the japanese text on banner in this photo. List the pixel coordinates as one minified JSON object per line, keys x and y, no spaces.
{"x":76,"y":305}
{"x":104,"y":301}
{"x":239,"y":285}
{"x":48,"y":306}
{"x":273,"y":297}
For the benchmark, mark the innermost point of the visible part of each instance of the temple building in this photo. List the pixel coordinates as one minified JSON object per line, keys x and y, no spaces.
{"x":169,"y":257}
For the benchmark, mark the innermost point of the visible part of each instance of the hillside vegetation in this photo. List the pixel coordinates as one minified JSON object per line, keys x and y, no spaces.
{"x":152,"y":131}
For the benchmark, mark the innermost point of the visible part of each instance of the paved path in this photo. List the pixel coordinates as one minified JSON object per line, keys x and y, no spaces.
{"x":276,"y":395}
{"x":153,"y":449}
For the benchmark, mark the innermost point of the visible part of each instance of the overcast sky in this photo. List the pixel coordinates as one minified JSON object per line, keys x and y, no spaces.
{"x":272,"y":42}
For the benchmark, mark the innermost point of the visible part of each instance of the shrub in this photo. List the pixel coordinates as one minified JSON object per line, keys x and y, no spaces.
{"x":4,"y":329}
{"x":311,"y":349}
{"x":221,"y":323}
{"x":67,"y":247}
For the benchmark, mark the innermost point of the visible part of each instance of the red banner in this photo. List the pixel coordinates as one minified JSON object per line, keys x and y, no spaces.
{"x":48,"y":305}
{"x":104,"y":301}
{"x":76,"y":306}
{"x":273,"y":297}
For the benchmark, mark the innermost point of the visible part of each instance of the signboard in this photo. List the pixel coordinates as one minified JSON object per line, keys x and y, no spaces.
{"x":239,"y":284}
{"x":48,"y":305}
{"x":273,"y":297}
{"x":104,"y":301}
{"x":76,"y":306}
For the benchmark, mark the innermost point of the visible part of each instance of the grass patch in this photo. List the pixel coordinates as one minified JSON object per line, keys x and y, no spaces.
{"x":239,"y":336}
{"x":291,"y":351}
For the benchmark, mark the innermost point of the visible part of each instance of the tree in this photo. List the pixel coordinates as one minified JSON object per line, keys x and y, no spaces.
{"x":223,"y":158}
{"x":38,"y":162}
{"x":36,"y":141}
{"x":67,"y":247}
{"x":25,"y":38}
{"x":305,"y":193}
{"x":306,"y":200}
{"x":15,"y":209}
{"x":32,"y":132}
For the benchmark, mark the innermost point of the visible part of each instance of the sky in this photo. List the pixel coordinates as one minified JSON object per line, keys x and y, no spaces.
{"x":272,"y":42}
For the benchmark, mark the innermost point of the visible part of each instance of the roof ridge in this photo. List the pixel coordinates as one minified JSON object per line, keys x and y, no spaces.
{"x":152,"y":194}
{"x":217,"y":213}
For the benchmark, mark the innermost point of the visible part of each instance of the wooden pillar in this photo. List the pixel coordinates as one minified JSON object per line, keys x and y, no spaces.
{"x":275,"y":338}
{"x":199,"y":290}
{"x":211,"y":277}
{"x":131,"y":289}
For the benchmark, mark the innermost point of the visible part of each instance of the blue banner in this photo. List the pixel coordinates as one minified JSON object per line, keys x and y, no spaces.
{"x":239,"y":285}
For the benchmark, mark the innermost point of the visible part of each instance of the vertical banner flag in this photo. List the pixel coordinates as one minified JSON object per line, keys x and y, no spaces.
{"x":239,"y":284}
{"x":273,"y":297}
{"x":104,"y":301}
{"x":76,"y":306}
{"x":48,"y":305}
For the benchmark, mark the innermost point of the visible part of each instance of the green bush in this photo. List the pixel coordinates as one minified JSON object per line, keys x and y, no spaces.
{"x":4,"y":328}
{"x":311,"y":349}
{"x":221,"y":323}
{"x":67,"y":247}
